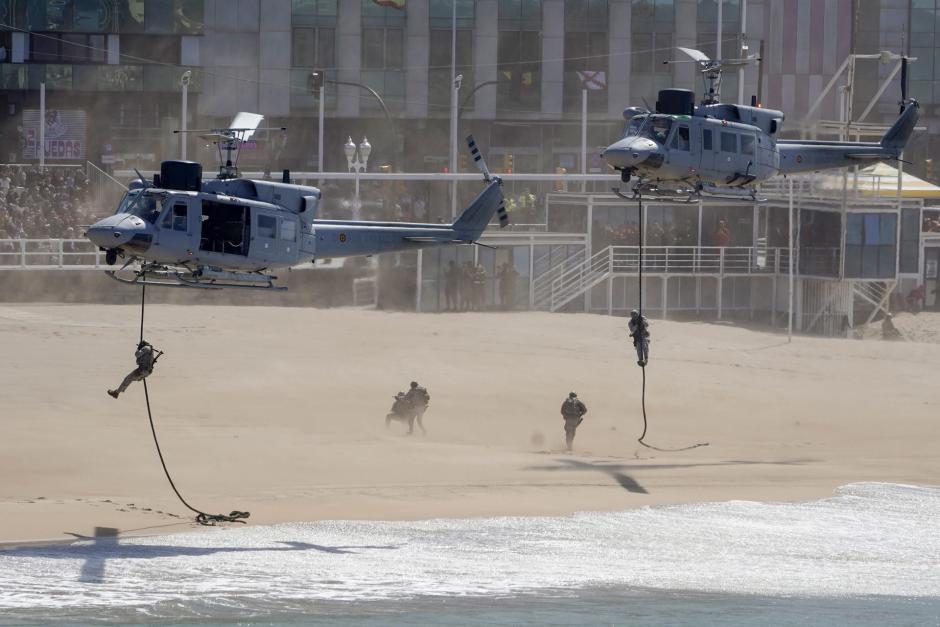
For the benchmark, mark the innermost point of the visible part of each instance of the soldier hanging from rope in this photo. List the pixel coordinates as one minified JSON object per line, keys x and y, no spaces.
{"x":146,"y":357}
{"x":640,"y":332}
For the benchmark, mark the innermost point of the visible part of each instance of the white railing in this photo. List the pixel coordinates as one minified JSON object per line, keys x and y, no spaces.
{"x":571,"y":282}
{"x":542,"y":284}
{"x":44,"y":254}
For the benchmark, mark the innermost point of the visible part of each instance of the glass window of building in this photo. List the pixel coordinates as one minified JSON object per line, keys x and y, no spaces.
{"x":313,"y":12}
{"x":439,"y":76}
{"x":67,"y":48}
{"x":313,"y":47}
{"x":585,"y":68}
{"x":910,"y":240}
{"x":441,"y":13}
{"x":383,"y":52}
{"x":519,"y":56}
{"x":160,"y":49}
{"x":523,"y":13}
{"x":653,"y":28}
{"x":870,"y":245}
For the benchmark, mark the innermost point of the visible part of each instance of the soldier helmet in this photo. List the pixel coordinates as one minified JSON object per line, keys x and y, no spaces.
{"x":634,"y":313}
{"x":572,"y":395}
{"x":143,"y":343}
{"x":414,"y":384}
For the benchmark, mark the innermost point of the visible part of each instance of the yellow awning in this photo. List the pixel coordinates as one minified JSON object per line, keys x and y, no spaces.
{"x":881,"y":180}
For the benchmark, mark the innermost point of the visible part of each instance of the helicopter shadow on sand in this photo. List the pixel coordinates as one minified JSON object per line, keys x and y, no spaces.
{"x":615,"y":470}
{"x":105,"y":545}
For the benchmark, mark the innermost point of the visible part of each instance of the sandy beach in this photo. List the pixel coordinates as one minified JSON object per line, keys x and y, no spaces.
{"x":280,"y":411}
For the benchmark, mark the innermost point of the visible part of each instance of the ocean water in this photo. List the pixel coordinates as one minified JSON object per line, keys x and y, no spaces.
{"x":869,"y":555}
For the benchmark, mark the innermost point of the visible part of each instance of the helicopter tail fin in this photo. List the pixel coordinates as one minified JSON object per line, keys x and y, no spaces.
{"x":900,"y":132}
{"x":471,"y":223}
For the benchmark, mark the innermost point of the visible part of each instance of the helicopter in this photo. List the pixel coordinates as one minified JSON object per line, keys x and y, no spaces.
{"x":685,"y":151}
{"x":182,"y":231}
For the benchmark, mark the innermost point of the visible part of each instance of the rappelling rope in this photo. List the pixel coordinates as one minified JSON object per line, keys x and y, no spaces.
{"x":201,"y":517}
{"x":641,"y":340}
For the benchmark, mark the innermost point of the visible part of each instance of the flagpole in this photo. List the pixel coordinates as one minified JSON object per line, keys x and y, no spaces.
{"x":583,"y":136}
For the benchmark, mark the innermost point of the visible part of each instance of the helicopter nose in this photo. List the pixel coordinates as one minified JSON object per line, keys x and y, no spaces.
{"x":120,"y":231}
{"x":628,"y":153}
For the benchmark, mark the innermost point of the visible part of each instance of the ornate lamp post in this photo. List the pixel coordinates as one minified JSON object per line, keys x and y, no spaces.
{"x":357,"y":159}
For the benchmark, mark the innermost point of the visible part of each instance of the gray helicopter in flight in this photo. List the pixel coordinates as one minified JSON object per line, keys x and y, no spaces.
{"x":183,"y":231}
{"x":683,"y":150}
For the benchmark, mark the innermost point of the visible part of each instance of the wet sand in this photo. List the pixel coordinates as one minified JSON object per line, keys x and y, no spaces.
{"x":280,"y":411}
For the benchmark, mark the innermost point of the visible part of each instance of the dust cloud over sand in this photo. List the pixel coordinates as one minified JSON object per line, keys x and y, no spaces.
{"x":280,"y":411}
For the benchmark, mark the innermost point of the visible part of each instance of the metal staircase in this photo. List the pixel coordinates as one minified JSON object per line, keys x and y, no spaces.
{"x":875,"y":293}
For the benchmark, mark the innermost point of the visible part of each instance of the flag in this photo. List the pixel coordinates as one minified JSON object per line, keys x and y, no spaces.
{"x":593,"y":80}
{"x":395,"y":4}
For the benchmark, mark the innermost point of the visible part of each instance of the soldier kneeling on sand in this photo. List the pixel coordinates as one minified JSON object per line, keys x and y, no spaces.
{"x":572,"y":410}
{"x":146,"y":357}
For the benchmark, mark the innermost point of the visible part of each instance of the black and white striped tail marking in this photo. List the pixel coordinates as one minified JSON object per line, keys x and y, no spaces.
{"x":478,"y":157}
{"x":502,"y":215}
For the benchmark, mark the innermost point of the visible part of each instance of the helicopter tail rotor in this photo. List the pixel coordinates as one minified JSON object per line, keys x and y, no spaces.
{"x":478,"y":158}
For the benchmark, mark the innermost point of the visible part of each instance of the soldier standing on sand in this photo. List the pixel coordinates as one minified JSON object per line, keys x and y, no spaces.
{"x":572,"y":410}
{"x":418,"y":399}
{"x":146,"y":357}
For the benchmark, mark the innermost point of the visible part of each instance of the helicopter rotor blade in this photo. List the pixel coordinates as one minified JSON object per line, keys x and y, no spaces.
{"x":696,"y":55}
{"x":478,"y":158}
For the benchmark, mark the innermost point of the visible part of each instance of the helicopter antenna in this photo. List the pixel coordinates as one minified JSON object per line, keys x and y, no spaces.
{"x":711,"y":71}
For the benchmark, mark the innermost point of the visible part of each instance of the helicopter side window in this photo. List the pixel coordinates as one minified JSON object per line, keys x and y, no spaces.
{"x":729,"y":142}
{"x":288,"y":230}
{"x":747,"y":144}
{"x":706,"y":139}
{"x":267,"y":226}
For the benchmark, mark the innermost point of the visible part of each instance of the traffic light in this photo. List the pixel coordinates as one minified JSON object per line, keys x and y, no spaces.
{"x":507,"y":163}
{"x":315,"y":81}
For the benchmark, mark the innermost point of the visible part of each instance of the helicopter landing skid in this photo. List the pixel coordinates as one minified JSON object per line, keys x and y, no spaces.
{"x":656,"y":195}
{"x":652,"y":193}
{"x":164,"y":276}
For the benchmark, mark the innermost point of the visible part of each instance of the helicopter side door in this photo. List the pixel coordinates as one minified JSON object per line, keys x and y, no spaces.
{"x":680,"y":150}
{"x":174,"y":241}
{"x":709,"y":149}
{"x":274,"y":239}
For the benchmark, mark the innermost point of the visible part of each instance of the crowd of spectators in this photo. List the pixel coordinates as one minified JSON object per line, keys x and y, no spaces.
{"x":38,"y":204}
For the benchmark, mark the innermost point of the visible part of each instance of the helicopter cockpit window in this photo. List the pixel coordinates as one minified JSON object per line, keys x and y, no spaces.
{"x":147,"y":207}
{"x":658,"y":128}
{"x":634,"y":125}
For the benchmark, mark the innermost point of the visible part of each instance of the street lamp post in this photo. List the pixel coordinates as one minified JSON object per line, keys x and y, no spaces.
{"x":357,"y":158}
{"x":184,"y":84}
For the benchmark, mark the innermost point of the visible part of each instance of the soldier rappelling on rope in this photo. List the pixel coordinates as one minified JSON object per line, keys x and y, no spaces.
{"x":146,"y":356}
{"x":640,"y":332}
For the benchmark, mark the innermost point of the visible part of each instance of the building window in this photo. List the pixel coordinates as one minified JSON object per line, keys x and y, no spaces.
{"x":520,"y":13}
{"x":519,"y":66}
{"x":392,"y":12}
{"x":652,"y":27}
{"x":585,"y":11}
{"x":870,"y":245}
{"x":313,"y":12}
{"x":159,"y":16}
{"x":910,"y":240}
{"x":313,"y":47}
{"x":162,"y":49}
{"x":382,"y":48}
{"x":67,"y":48}
{"x":441,"y":13}
{"x":585,"y":68}
{"x":439,"y":77}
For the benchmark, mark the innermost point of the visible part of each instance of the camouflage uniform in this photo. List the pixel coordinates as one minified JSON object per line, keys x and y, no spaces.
{"x":639,"y":330}
{"x":418,"y":399}
{"x":572,"y":410}
{"x":146,"y":356}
